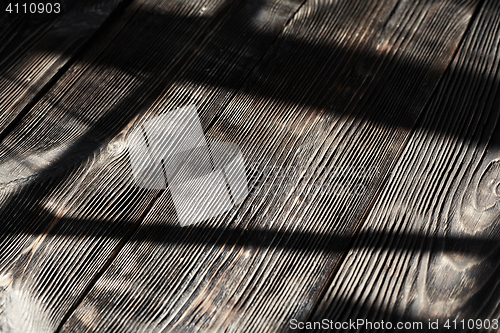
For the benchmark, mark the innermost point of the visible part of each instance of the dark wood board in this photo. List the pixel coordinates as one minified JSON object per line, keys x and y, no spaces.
{"x":340,"y":89}
{"x":66,"y":201}
{"x":430,"y":246}
{"x":34,"y":55}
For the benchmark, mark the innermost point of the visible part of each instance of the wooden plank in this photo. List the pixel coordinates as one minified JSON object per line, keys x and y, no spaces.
{"x":33,"y":56}
{"x":66,"y":166}
{"x":429,"y":248}
{"x":328,"y":109}
{"x":46,"y":162}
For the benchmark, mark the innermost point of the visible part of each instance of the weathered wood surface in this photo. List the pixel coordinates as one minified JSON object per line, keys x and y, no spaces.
{"x":430,"y":246}
{"x":339,"y":89}
{"x":322,"y":111}
{"x":66,"y":202}
{"x":31,"y":56}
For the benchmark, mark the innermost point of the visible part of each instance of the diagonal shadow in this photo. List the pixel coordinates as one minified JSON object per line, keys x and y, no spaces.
{"x":105,"y":127}
{"x":355,"y":64}
{"x":359,"y":63}
{"x":334,"y":71}
{"x":172,"y":233}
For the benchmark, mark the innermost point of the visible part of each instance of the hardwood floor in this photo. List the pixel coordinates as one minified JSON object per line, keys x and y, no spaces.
{"x":429,"y":247}
{"x":369,"y":134}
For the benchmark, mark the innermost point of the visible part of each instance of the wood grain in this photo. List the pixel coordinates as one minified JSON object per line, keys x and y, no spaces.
{"x":321,"y":122}
{"x":32,"y":56}
{"x":429,"y":248}
{"x":62,"y":175}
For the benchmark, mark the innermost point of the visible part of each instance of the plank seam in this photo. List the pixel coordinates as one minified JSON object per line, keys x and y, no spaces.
{"x":115,"y":14}
{"x":109,"y":261}
{"x":183,"y":61}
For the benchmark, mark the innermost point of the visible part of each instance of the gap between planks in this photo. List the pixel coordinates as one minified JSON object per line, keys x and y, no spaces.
{"x":183,"y":61}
